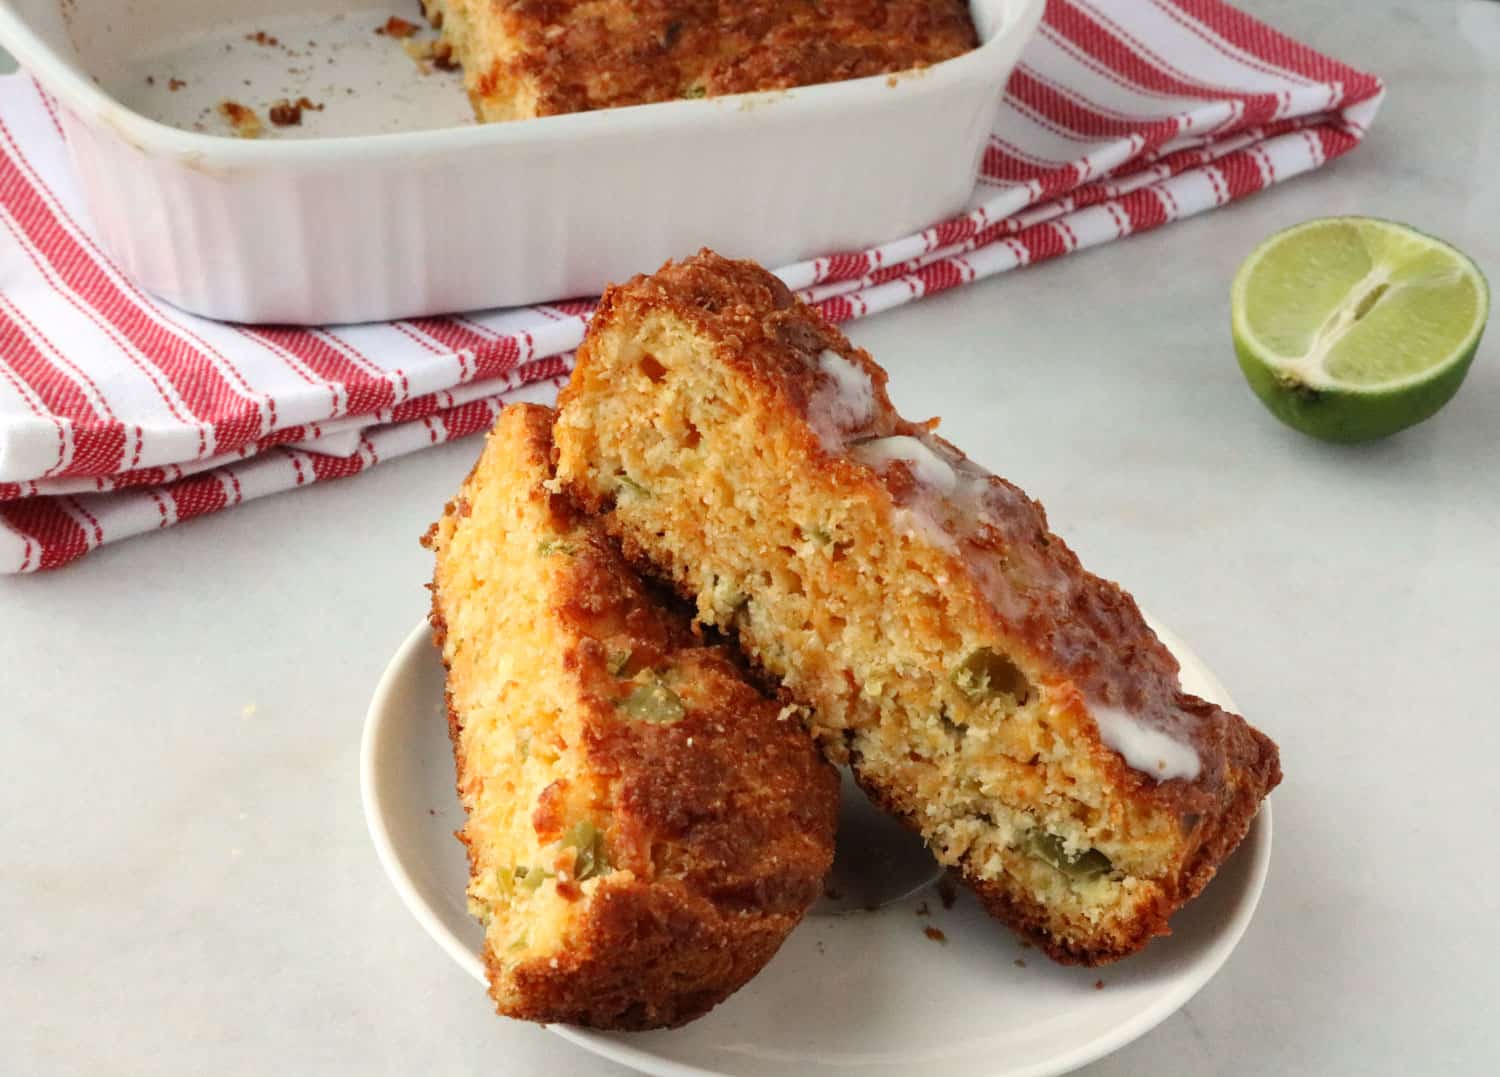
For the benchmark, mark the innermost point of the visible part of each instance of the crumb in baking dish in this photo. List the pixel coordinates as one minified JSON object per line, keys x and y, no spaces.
{"x":242,"y":118}
{"x":397,"y":27}
{"x":428,"y":54}
{"x":285,"y":113}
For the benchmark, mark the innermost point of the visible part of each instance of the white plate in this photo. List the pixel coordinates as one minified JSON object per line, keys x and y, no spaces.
{"x":861,"y":993}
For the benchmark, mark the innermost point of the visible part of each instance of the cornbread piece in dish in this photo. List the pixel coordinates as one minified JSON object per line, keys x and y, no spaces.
{"x":522,"y":59}
{"x":644,"y":828}
{"x":1008,"y":705}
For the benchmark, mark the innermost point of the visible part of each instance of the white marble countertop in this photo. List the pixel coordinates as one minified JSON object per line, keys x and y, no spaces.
{"x":187,"y":884}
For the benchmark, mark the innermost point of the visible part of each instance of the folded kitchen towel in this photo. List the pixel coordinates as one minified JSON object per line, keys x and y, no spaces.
{"x":120,"y":414}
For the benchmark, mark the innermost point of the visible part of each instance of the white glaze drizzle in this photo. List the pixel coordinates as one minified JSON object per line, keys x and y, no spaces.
{"x":952,"y":496}
{"x":1144,"y":747}
{"x":845,"y":402}
{"x":927,"y":467}
{"x":937,"y":481}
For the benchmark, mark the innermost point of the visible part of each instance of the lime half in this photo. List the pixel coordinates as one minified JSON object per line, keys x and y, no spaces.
{"x":1351,"y":328}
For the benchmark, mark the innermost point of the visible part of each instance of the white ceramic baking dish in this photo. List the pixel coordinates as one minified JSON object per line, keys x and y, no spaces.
{"x":391,"y":203}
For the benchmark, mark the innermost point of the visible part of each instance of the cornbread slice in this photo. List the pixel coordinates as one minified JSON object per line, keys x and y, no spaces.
{"x":1008,"y":705}
{"x":522,"y":60}
{"x":644,"y":827}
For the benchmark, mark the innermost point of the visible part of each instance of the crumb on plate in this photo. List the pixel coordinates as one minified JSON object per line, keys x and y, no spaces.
{"x":947,"y":891}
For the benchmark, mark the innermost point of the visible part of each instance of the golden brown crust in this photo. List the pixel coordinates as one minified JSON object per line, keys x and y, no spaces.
{"x":1254,"y":764}
{"x":1028,"y":918}
{"x":713,"y":862}
{"x":642,"y":942}
{"x":652,"y":956}
{"x":1091,"y":630}
{"x":577,"y":55}
{"x":1085,"y":631}
{"x":724,"y":864}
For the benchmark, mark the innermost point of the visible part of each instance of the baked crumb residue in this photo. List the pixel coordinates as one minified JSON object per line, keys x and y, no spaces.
{"x":397,"y":27}
{"x":285,"y":113}
{"x":427,"y":54}
{"x":442,"y":56}
{"x":242,"y":118}
{"x":947,"y":891}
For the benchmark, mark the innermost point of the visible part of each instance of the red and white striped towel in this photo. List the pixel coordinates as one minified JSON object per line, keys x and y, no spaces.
{"x":119,"y":414}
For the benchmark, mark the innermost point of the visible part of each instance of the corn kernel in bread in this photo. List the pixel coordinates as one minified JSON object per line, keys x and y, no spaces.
{"x":523,"y":60}
{"x":643,"y":829}
{"x":1010,"y":706}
